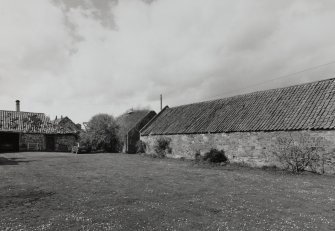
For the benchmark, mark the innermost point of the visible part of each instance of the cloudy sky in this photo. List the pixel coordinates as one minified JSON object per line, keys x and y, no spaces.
{"x":82,"y":57}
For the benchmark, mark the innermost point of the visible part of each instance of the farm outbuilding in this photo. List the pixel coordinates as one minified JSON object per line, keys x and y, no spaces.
{"x":29,"y":131}
{"x":130,"y":124}
{"x":249,"y":127}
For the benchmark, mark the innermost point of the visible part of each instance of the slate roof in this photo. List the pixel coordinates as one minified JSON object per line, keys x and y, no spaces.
{"x":300,"y":107}
{"x":67,"y":123}
{"x":29,"y":122}
{"x":130,"y":120}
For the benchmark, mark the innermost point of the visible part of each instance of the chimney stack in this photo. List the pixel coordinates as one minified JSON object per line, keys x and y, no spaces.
{"x":17,"y":105}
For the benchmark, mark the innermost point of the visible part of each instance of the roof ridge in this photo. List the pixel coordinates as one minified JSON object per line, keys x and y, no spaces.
{"x":254,"y":92}
{"x":154,"y":118}
{"x":23,"y":112}
{"x":133,"y":112}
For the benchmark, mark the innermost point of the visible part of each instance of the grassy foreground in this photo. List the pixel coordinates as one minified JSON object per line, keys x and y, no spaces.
{"x":58,"y":191}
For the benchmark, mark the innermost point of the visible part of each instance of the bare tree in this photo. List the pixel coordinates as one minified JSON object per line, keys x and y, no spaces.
{"x":300,"y":152}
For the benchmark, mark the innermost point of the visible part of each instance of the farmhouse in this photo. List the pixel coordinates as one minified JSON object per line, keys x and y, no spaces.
{"x":28,"y":131}
{"x":130,"y":124}
{"x":67,"y":123}
{"x":249,"y":127}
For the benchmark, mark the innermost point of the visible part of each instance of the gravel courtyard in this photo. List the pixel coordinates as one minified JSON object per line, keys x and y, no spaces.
{"x":61,"y":191}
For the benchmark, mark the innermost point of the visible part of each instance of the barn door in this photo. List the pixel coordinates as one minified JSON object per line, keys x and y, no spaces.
{"x":9,"y":142}
{"x":50,"y":143}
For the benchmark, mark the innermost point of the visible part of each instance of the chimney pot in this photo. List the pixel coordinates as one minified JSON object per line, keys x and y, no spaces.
{"x":17,"y":105}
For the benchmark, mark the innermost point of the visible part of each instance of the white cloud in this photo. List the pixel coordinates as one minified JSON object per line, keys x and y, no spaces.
{"x":80,"y":58}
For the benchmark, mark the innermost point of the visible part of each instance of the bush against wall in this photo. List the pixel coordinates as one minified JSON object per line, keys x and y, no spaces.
{"x":215,"y":156}
{"x":197,"y":156}
{"x":162,"y":147}
{"x":141,"y":147}
{"x":300,"y":152}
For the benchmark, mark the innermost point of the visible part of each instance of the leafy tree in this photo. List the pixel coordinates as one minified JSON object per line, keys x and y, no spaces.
{"x":85,"y":140}
{"x":102,"y":133}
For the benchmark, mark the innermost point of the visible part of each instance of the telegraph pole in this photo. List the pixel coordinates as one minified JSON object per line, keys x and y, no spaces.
{"x":161,"y":102}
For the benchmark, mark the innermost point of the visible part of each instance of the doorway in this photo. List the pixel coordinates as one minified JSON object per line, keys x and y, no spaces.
{"x":9,"y":142}
{"x":50,"y":143}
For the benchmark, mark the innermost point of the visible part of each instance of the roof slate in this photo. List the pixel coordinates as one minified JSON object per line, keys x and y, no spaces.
{"x":29,"y":122}
{"x":130,"y":120}
{"x":300,"y":107}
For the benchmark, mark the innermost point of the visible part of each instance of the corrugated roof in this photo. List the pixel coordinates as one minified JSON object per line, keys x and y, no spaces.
{"x":29,"y":122}
{"x":300,"y":107}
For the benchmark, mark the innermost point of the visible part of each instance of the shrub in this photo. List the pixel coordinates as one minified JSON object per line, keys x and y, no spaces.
{"x":162,"y":147}
{"x":300,"y":152}
{"x":298,"y":158}
{"x":215,"y":156}
{"x":197,"y":156}
{"x":141,"y":147}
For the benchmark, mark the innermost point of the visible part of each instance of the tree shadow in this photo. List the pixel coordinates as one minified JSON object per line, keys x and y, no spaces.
{"x":12,"y":161}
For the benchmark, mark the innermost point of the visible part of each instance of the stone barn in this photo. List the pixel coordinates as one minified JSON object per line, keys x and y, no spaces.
{"x":29,"y":131}
{"x":130,"y":124}
{"x":249,"y":127}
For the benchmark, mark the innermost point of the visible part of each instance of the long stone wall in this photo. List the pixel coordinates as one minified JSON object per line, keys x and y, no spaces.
{"x":253,"y":148}
{"x":37,"y":142}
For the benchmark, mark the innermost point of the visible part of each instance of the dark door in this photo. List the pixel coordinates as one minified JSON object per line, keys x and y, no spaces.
{"x":50,"y":143}
{"x":9,"y":142}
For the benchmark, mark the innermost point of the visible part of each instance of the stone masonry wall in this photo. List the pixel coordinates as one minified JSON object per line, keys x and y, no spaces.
{"x":35,"y":142}
{"x":253,"y":148}
{"x":64,"y":143}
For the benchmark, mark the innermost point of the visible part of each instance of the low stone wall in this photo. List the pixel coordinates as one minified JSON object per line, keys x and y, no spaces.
{"x":253,"y":148}
{"x":32,"y":142}
{"x":37,"y":142}
{"x":64,"y":143}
